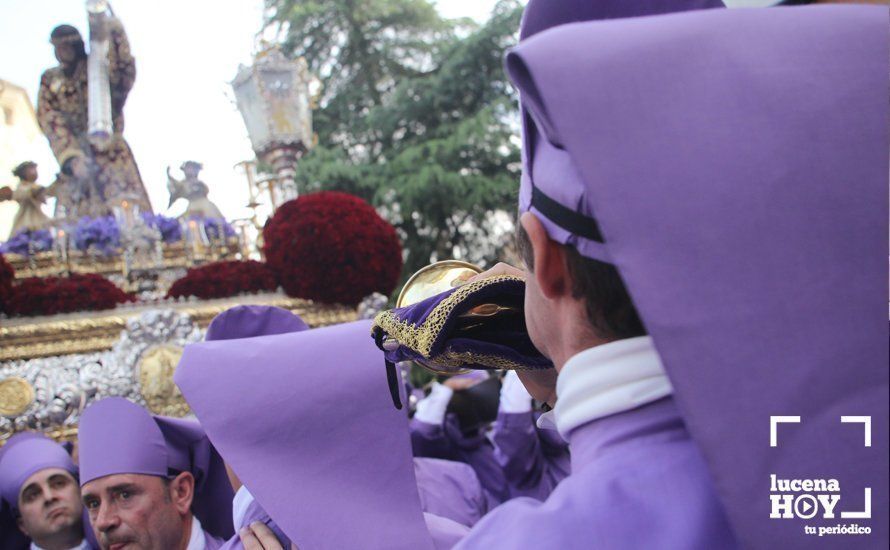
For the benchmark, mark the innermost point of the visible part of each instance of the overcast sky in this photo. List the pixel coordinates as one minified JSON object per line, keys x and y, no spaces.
{"x":181,"y":107}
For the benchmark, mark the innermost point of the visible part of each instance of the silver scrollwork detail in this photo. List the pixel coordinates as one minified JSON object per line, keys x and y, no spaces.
{"x":63,"y":385}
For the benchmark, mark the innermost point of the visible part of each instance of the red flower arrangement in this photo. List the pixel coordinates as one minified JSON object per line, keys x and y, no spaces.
{"x":51,"y":295}
{"x":224,"y":279}
{"x":7,"y":274}
{"x":332,"y":247}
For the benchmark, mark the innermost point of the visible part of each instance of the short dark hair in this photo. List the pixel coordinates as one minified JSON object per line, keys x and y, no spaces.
{"x":610,"y":310}
{"x":63,"y":31}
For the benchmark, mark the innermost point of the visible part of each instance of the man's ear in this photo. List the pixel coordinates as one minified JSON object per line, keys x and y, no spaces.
{"x":21,"y":524}
{"x":182,"y":491}
{"x":550,"y":269}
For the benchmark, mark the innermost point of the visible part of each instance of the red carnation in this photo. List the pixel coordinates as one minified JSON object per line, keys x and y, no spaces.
{"x":332,"y":247}
{"x":7,"y":275}
{"x":52,"y":295}
{"x":224,"y":279}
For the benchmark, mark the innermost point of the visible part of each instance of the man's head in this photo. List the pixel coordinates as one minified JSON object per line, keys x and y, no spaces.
{"x":38,"y":482}
{"x":575,"y":298}
{"x":49,"y":508}
{"x":144,"y":477}
{"x":68,"y":45}
{"x":26,"y":171}
{"x":572,"y":302}
{"x":143,"y":511}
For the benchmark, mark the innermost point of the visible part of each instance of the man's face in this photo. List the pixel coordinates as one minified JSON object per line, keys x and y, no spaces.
{"x":49,"y":504}
{"x":135,"y":511}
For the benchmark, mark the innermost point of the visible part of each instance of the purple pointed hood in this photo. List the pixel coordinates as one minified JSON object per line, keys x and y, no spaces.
{"x":250,"y":321}
{"x":117,"y":436}
{"x":24,"y":455}
{"x":313,"y":433}
{"x":732,"y":164}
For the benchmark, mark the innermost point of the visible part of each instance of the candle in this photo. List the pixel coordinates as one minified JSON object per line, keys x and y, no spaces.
{"x":62,"y":240}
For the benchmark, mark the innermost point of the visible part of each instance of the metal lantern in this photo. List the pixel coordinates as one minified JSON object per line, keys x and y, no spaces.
{"x":273,"y":97}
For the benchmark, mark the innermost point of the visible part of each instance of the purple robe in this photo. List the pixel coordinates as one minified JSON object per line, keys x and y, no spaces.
{"x":215,"y":543}
{"x":448,"y":442}
{"x":732,"y":165}
{"x":450,"y":489}
{"x":638,"y":481}
{"x":533,"y":460}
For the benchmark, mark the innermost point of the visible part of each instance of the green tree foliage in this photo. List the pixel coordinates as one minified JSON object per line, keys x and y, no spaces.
{"x":416,"y":116}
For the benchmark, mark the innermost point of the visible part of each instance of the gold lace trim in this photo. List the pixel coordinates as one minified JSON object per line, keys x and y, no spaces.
{"x":420,"y":338}
{"x":459,"y":359}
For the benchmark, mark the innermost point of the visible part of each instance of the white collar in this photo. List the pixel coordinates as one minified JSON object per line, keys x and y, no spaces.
{"x":243,"y":499}
{"x":605,"y":380}
{"x":84,"y":545}
{"x":196,"y":538}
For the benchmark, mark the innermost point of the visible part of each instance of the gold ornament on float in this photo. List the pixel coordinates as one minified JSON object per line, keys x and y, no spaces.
{"x":155,"y":373}
{"x":16,"y":395}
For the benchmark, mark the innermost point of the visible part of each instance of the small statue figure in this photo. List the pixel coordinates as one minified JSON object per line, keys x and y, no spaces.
{"x":30,"y":196}
{"x":193,"y":190}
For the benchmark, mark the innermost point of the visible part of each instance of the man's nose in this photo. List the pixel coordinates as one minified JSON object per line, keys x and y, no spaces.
{"x":106,"y":518}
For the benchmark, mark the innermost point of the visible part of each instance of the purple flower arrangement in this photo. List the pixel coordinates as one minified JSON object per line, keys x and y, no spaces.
{"x":26,"y":241}
{"x":170,"y":229}
{"x":100,"y":235}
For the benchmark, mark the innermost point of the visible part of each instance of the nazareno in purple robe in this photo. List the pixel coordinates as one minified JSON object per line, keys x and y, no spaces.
{"x":450,"y":489}
{"x":23,"y":455}
{"x":732,"y":164}
{"x":449,"y":442}
{"x":736,"y":183}
{"x":534,"y":460}
{"x":117,"y":436}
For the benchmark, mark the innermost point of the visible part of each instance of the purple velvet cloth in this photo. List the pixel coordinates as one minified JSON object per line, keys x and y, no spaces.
{"x":534,"y":461}
{"x":439,"y":323}
{"x":448,"y":442}
{"x":117,"y":436}
{"x":450,"y":489}
{"x":735,"y":162}
{"x":329,"y":461}
{"x":638,"y":481}
{"x":250,"y":321}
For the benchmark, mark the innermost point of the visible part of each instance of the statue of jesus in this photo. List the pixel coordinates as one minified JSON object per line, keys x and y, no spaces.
{"x":96,"y":175}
